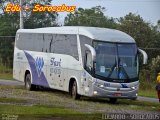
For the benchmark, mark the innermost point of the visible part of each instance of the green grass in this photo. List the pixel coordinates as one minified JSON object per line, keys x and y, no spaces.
{"x":6,"y":76}
{"x":147,"y":89}
{"x":139,"y":105}
{"x":147,"y":84}
{"x":42,"y":112}
{"x":28,"y":107}
{"x":5,"y":73}
{"x":12,"y":100}
{"x":148,"y":93}
{"x":37,"y":111}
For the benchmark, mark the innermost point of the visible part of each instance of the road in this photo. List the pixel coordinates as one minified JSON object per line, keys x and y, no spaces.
{"x":17,"y":83}
{"x":11,"y":82}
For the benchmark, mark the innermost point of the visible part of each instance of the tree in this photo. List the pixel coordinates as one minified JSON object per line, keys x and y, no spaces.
{"x":135,"y":26}
{"x":144,"y":33}
{"x":158,"y":25}
{"x":31,"y":19}
{"x":9,"y":24}
{"x":89,"y":17}
{"x":155,"y":66}
{"x":40,"y":19}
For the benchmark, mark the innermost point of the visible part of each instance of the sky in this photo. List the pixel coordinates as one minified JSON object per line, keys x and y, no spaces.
{"x":149,"y":10}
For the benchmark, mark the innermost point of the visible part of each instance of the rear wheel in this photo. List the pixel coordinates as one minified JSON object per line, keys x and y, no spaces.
{"x":28,"y":84}
{"x":74,"y":93}
{"x":113,"y":100}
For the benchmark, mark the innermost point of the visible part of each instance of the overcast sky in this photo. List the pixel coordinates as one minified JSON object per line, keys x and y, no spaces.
{"x":148,"y":9}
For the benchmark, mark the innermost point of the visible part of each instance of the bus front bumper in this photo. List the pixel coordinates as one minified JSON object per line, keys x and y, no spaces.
{"x":127,"y":93}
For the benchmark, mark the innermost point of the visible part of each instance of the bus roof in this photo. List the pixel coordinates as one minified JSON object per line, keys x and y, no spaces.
{"x":102,"y":34}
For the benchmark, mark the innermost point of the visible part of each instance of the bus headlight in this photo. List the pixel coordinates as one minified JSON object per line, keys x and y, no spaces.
{"x":101,"y":86}
{"x":133,"y":88}
{"x":95,"y":92}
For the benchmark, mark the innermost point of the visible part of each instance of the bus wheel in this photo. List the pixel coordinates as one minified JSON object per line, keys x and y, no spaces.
{"x":134,"y":98}
{"x":28,"y":84}
{"x":74,"y":91}
{"x":113,"y":100}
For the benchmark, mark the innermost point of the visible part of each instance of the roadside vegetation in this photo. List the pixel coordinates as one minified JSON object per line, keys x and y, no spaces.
{"x":5,"y":72}
{"x":147,"y":84}
{"x":42,"y":112}
{"x":57,"y":99}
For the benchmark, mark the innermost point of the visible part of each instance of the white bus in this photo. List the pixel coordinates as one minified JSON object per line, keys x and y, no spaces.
{"x":84,"y":61}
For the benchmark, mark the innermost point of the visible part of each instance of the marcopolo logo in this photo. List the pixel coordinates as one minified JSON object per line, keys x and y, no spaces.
{"x":39,"y":62}
{"x":124,"y":85}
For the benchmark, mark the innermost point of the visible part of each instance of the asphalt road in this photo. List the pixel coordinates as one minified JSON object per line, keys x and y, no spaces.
{"x":11,"y":82}
{"x":17,"y":83}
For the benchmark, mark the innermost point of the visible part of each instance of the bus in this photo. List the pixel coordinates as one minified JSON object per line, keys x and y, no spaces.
{"x":84,"y":61}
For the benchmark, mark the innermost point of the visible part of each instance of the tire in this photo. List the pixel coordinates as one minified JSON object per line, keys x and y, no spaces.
{"x":74,"y":93}
{"x":113,"y":100}
{"x":134,"y":98}
{"x":28,"y":84}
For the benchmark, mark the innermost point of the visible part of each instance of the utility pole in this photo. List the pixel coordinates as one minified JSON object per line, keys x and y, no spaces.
{"x":21,"y":15}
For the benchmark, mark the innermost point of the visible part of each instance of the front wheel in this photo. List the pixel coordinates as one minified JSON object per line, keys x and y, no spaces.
{"x":74,"y":93}
{"x":113,"y":100}
{"x":134,"y":98}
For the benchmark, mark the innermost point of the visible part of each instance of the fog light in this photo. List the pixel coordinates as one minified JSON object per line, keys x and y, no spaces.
{"x":101,"y":86}
{"x":95,"y":92}
{"x":133,"y":88}
{"x":136,"y":94}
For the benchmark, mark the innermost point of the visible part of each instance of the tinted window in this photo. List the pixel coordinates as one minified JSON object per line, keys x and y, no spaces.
{"x":65,"y":44}
{"x":61,"y":44}
{"x":84,"y":40}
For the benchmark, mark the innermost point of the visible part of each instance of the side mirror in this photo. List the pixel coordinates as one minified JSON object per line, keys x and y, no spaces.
{"x":145,"y":56}
{"x":88,"y":60}
{"x":92,"y":50}
{"x":92,"y":54}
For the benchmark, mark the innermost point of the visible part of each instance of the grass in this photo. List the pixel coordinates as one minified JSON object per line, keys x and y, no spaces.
{"x":54,"y":105}
{"x":39,"y":111}
{"x":42,"y":112}
{"x":12,"y":100}
{"x":140,"y":105}
{"x":147,"y":84}
{"x":131,"y":105}
{"x":148,"y":93}
{"x":61,"y":99}
{"x":6,"y":76}
{"x":147,"y":89}
{"x":5,"y":73}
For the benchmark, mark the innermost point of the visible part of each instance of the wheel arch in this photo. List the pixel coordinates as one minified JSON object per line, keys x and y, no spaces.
{"x":72,"y":79}
{"x":27,"y":72}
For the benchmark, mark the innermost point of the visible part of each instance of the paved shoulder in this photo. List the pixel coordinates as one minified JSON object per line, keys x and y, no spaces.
{"x":11,"y":82}
{"x":148,"y":99}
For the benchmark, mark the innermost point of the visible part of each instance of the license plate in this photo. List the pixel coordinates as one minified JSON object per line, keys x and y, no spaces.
{"x":117,"y":94}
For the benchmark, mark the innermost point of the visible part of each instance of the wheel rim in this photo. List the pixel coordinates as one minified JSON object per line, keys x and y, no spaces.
{"x":74,"y":90}
{"x":27,"y":83}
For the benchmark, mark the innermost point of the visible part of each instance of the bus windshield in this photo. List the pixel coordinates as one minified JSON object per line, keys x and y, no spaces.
{"x":116,"y":60}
